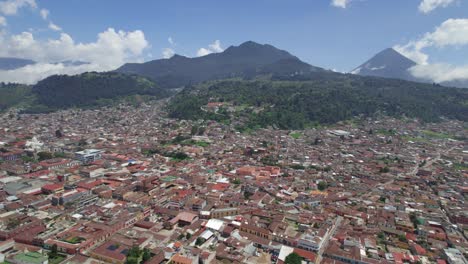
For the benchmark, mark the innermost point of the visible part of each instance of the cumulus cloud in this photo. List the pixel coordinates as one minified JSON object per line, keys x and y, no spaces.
{"x":111,"y":49}
{"x":453,"y":33}
{"x":215,"y":47}
{"x":30,"y":74}
{"x":440,"y":72}
{"x":167,"y":53}
{"x":340,"y":3}
{"x":44,"y":13}
{"x":11,"y":7}
{"x":170,"y":40}
{"x":426,"y":6}
{"x":3,"y":21}
{"x":54,"y":27}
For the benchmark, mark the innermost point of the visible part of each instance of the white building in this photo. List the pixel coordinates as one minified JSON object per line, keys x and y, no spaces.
{"x":89,"y":155}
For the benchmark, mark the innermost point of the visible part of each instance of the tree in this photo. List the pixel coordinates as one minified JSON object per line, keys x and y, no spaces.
{"x":293,"y":258}
{"x":402,"y":238}
{"x":58,"y":133}
{"x":381,"y":235}
{"x":53,"y":251}
{"x":322,"y":185}
{"x":133,"y":255}
{"x":384,"y":169}
{"x":146,"y":254}
{"x":194,"y":130}
{"x":199,"y":241}
{"x":43,"y":155}
{"x":236,"y":181}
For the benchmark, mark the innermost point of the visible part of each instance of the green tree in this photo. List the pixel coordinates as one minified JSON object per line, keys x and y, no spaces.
{"x":199,"y":241}
{"x":146,"y":254}
{"x":402,"y":238}
{"x":44,"y":155}
{"x":53,"y":251}
{"x":236,"y":181}
{"x":384,"y":169}
{"x":322,"y":185}
{"x":293,"y":258}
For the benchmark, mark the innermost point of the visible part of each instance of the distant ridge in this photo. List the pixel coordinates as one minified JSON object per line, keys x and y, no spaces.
{"x":7,"y":64}
{"x":246,"y":60}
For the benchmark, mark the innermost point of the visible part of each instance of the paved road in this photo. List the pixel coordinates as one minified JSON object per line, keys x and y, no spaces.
{"x":327,"y":239}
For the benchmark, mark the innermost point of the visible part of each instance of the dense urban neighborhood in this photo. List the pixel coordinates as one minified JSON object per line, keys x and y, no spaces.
{"x":126,"y":184}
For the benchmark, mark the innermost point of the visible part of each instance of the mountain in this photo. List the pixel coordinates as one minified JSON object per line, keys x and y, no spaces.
{"x":297,"y":102}
{"x":14,"y":63}
{"x":388,"y":64}
{"x":247,"y":60}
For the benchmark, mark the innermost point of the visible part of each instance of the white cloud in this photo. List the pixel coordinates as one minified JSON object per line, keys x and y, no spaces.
{"x":215,"y":47}
{"x":30,"y":74}
{"x":11,"y":7}
{"x":167,"y":53}
{"x":110,"y":50}
{"x":54,"y":27}
{"x":340,"y":3}
{"x":170,"y":40}
{"x":413,"y":50}
{"x":452,"y":32}
{"x":440,"y":72}
{"x":203,"y":52}
{"x":3,"y":21}
{"x":44,"y":13}
{"x":426,"y":6}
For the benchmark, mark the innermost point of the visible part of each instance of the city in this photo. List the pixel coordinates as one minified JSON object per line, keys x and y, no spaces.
{"x":94,"y":184}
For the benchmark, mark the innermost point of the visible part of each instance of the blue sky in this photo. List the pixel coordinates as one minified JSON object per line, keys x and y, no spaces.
{"x":334,"y":34}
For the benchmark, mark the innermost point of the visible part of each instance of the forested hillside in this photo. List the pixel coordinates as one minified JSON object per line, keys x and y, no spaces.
{"x":291,"y":104}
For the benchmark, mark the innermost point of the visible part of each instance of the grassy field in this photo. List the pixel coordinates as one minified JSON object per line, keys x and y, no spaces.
{"x":296,"y":135}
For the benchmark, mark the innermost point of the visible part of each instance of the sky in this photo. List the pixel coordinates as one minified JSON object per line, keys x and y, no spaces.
{"x":333,"y":34}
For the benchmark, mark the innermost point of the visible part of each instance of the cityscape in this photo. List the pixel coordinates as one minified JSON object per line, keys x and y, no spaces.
{"x":246,"y":131}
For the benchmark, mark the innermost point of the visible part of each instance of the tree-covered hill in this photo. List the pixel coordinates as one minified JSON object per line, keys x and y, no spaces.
{"x":290,"y":103}
{"x":12,"y":94}
{"x":91,"y":89}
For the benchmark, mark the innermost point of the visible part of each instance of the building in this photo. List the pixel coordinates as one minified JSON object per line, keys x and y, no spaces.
{"x":454,"y":256}
{"x":79,"y":198}
{"x":223,"y":212}
{"x":89,"y":155}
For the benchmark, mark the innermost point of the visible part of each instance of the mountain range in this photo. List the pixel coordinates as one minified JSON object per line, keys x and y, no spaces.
{"x":285,"y":92}
{"x":247,"y":60}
